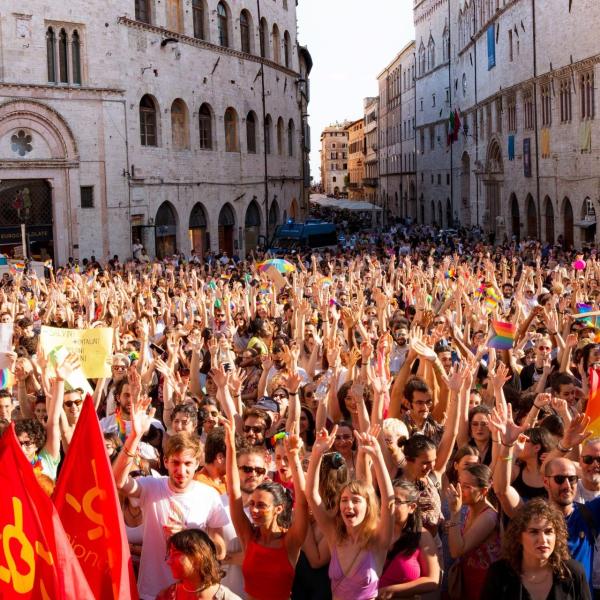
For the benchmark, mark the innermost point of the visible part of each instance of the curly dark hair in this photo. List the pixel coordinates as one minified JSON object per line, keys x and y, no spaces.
{"x":34,"y":429}
{"x":512,"y":549}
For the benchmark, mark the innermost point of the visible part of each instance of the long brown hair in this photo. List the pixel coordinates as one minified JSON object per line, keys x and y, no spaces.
{"x":512,"y":548}
{"x":369,"y":525}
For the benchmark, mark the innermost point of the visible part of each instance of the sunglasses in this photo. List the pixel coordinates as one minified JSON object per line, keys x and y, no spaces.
{"x":71,"y":403}
{"x":119,"y":367}
{"x":588,"y":460}
{"x":560,"y":479}
{"x":253,"y":429}
{"x":258,"y":470}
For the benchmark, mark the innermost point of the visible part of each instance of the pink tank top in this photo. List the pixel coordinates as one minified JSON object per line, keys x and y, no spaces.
{"x":401,"y":569}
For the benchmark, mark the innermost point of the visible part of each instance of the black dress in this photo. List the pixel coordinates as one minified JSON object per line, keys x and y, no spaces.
{"x":503,"y":583}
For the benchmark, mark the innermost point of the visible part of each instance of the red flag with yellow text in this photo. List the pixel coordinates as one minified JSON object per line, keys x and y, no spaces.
{"x":36,"y":558}
{"x":88,"y":505}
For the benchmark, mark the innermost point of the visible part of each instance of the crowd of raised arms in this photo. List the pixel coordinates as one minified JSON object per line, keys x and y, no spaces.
{"x":344,"y":430}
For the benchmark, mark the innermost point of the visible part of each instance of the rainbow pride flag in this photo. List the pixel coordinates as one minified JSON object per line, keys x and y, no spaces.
{"x":503,"y":335}
{"x":7,"y":379}
{"x":593,"y":406}
{"x":491,"y":299}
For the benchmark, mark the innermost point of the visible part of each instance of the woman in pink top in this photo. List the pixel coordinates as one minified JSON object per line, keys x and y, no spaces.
{"x":358,"y":532}
{"x":412,"y":565}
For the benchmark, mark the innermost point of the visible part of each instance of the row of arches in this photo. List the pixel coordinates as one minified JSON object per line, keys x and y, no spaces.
{"x":566,"y":221}
{"x":228,"y":228}
{"x":279,"y":138}
{"x":272,"y":44}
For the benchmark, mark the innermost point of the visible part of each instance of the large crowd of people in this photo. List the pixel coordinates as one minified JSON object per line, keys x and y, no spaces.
{"x":347,"y":430}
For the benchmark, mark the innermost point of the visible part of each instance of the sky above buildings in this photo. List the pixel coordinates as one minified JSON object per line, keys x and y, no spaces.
{"x":351,"y":42}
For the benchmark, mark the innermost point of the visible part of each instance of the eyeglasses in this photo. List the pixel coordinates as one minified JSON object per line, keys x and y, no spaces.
{"x":479,"y":424}
{"x":253,"y":429}
{"x":423,"y":402}
{"x":588,"y":459}
{"x":258,"y":470}
{"x":399,"y":502}
{"x":119,"y":367}
{"x":545,"y":348}
{"x":72,"y":403}
{"x":27,"y":443}
{"x":560,"y":479}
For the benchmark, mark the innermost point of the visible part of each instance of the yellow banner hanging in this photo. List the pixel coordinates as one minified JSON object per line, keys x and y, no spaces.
{"x":93,"y":346}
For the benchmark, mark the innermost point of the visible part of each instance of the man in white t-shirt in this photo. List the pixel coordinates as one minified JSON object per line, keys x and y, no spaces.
{"x":169,"y":504}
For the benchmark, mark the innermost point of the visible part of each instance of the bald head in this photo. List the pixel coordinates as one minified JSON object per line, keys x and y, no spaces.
{"x":559,"y":466}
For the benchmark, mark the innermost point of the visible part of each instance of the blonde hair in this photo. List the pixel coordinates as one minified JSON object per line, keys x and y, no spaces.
{"x":182,"y":441}
{"x":369,"y":525}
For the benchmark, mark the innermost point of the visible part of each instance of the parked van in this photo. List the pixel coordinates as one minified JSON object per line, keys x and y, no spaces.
{"x":312,"y":234}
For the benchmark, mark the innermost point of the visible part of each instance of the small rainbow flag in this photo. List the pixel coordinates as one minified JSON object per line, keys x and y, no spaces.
{"x":503,"y":335}
{"x":7,"y":379}
{"x":17,"y":267}
{"x":584,"y":308}
{"x":326,"y":281}
{"x":593,"y":406}
{"x":492,"y":299}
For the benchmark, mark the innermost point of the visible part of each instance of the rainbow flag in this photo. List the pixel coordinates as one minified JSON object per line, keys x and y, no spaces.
{"x":326,"y":281}
{"x":7,"y":379}
{"x":17,"y":267}
{"x":503,"y":335}
{"x":593,"y":406}
{"x":491,"y":299}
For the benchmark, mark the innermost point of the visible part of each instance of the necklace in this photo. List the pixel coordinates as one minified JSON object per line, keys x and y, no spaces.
{"x":198,"y":590}
{"x":536,"y":577}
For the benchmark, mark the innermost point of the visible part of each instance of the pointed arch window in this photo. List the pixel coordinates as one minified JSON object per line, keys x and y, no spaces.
{"x":50,"y":56}
{"x":76,"y":57}
{"x":222,"y":25}
{"x":198,"y":14}
{"x":245,"y":31}
{"x":63,"y":63}
{"x":251,"y":133}
{"x":205,"y":122}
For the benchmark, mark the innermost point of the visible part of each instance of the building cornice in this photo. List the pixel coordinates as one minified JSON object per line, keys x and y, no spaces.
{"x":60,"y":90}
{"x":191,"y":41}
{"x":443,"y":65}
{"x":49,"y":163}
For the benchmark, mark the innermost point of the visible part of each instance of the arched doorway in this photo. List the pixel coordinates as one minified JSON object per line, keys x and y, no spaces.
{"x":433,"y":222}
{"x":226,"y":229}
{"x":568,"y":223}
{"x":166,"y":230}
{"x":252,"y":226}
{"x":549,"y":215}
{"x":588,"y":222}
{"x":515,"y":218}
{"x":273,"y":215}
{"x":294,"y":209}
{"x":440,"y":217}
{"x":465,"y":190}
{"x":493,"y":181}
{"x":199,"y":239}
{"x":449,"y":220}
{"x":26,"y":201}
{"x":532,"y":227}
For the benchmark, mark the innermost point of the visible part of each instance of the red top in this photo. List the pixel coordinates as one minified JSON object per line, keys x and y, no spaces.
{"x":268,"y":574}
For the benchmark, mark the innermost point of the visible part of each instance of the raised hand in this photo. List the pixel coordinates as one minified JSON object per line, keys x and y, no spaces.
{"x":220,"y":376}
{"x":236,"y":381}
{"x":454,"y":497}
{"x":292,"y":382}
{"x":324,"y":441}
{"x":457,"y":376}
{"x":135,"y":382}
{"x":68,"y":366}
{"x":229,"y":434}
{"x":141,"y":414}
{"x":367,"y":443}
{"x":292,"y":442}
{"x":500,"y":376}
{"x":576,"y":433}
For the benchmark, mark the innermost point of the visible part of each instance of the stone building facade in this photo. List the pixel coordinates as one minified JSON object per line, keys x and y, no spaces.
{"x":371,"y":180}
{"x":356,"y":159}
{"x":334,"y":159}
{"x":396,"y":124}
{"x":179,"y":123}
{"x":524,"y":164}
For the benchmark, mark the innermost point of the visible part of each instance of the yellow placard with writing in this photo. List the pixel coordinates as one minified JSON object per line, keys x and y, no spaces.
{"x":93,"y":346}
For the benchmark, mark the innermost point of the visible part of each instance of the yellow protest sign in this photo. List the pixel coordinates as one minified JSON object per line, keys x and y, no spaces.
{"x":93,"y":346}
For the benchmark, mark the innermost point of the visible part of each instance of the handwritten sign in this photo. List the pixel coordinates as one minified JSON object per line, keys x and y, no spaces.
{"x":93,"y":346}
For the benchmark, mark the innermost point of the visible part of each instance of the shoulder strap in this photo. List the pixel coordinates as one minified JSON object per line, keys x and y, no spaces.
{"x":588,"y":517}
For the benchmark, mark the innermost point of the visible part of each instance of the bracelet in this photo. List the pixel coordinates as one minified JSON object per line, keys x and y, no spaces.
{"x":507,"y":458}
{"x":507,"y":445}
{"x":496,"y":442}
{"x":562,"y":449}
{"x":129,"y":453}
{"x":292,"y":393}
{"x":538,"y":407}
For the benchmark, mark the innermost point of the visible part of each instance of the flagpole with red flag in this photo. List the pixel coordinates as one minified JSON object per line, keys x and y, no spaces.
{"x":37,"y":561}
{"x":87,"y":502}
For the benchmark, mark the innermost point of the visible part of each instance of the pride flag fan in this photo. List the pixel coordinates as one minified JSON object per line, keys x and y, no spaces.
{"x":503,"y":335}
{"x":593,"y":406}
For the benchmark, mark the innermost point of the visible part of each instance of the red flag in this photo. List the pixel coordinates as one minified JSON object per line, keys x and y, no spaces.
{"x":36,"y":558}
{"x":87,"y":502}
{"x":456,"y":126}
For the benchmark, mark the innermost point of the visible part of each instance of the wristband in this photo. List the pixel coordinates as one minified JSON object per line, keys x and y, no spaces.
{"x":507,"y":445}
{"x":507,"y":458}
{"x":129,"y":453}
{"x":562,"y":449}
{"x":538,"y":407}
{"x":292,"y":393}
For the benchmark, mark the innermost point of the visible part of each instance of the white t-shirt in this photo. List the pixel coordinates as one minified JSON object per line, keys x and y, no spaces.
{"x":198,"y":507}
{"x":109,"y":425}
{"x":234,"y":579}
